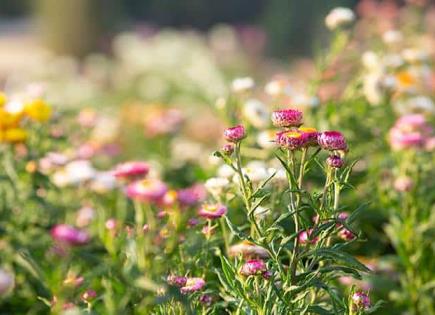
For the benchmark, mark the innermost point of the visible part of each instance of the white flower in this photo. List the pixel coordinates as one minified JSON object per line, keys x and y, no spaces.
{"x":256,"y":113}
{"x":216,"y":185}
{"x":303,"y":100}
{"x":339,"y":17}
{"x":266,"y":139}
{"x":225,"y":171}
{"x":392,"y":37}
{"x":414,"y":104}
{"x":85,"y":216}
{"x":256,"y":172}
{"x":242,"y":84}
{"x":393,"y":61}
{"x":74,"y":173}
{"x":412,"y":55}
{"x":103,"y":182}
{"x":280,"y":175}
{"x":372,"y":88}
{"x":371,"y":61}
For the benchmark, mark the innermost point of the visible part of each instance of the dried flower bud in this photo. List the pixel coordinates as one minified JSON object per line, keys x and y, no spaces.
{"x":287,"y":118}
{"x":235,"y":134}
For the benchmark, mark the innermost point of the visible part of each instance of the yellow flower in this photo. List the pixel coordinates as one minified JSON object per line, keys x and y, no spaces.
{"x":3,"y":98}
{"x":14,"y":135}
{"x":38,"y":110}
{"x":8,"y":119}
{"x":405,"y":79}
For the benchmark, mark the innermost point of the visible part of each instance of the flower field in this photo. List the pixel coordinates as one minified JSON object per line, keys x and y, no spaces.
{"x":187,"y":174}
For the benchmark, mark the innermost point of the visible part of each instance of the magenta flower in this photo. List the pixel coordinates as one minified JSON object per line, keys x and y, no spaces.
{"x":235,"y":134}
{"x":304,"y":237}
{"x":67,"y":234}
{"x":192,"y":285}
{"x":287,"y":118}
{"x":253,"y":267}
{"x":211,"y":212}
{"x":310,"y":135}
{"x":332,"y":140}
{"x":291,"y":140}
{"x":149,"y":190}
{"x":89,"y":295}
{"x":361,"y":300}
{"x":206,"y":299}
{"x":346,"y":234}
{"x":131,"y":170}
{"x":335,"y":161}
{"x":178,"y":281}
{"x":228,"y":149}
{"x":191,"y":195}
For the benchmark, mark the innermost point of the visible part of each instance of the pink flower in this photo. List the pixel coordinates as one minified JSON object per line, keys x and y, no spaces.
{"x":191,"y":195}
{"x":192,"y":222}
{"x":6,"y":282}
{"x":346,"y":235}
{"x":111,"y":224}
{"x":361,"y":300}
{"x":235,"y":134}
{"x":206,"y":299}
{"x":253,"y":267}
{"x":247,"y":249}
{"x":335,"y":161}
{"x":410,"y":132}
{"x":67,"y":234}
{"x":178,"y":281}
{"x":403,"y":184}
{"x":149,"y":190}
{"x":310,"y":135}
{"x":291,"y":140}
{"x":332,"y":140}
{"x":89,"y":295}
{"x":228,"y":149}
{"x":211,"y":212}
{"x":131,"y":170}
{"x":193,"y":285}
{"x":287,"y":118}
{"x":304,"y":237}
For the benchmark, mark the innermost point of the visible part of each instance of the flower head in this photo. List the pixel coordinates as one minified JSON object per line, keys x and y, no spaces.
{"x":335,"y":161}
{"x":248,"y":250}
{"x":6,"y":282}
{"x":212,"y":211}
{"x":235,"y":134}
{"x":67,"y":234}
{"x":339,"y":17}
{"x":304,"y":237}
{"x":191,"y":195}
{"x":291,"y":140}
{"x":192,"y":285}
{"x":287,"y":118}
{"x":228,"y":149}
{"x":310,"y":135}
{"x":410,"y":132}
{"x":346,"y":234}
{"x":88,"y":295}
{"x":178,"y":281}
{"x":253,"y":267}
{"x":361,"y":300}
{"x":38,"y":110}
{"x":149,"y":190}
{"x":332,"y":140}
{"x":131,"y":170}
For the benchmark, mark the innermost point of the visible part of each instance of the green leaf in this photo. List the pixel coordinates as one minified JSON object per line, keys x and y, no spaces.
{"x":338,"y":256}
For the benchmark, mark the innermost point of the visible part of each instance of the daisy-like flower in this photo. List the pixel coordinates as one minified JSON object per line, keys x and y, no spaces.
{"x":149,"y":190}
{"x":253,"y":267}
{"x":213,"y":211}
{"x":287,"y":118}
{"x":332,"y":141}
{"x":192,"y":285}
{"x":291,"y":140}
{"x":235,"y":134}
{"x":131,"y":170}
{"x":335,"y":161}
{"x":248,"y":250}
{"x":178,"y":281}
{"x":256,"y":113}
{"x":69,"y":235}
{"x":361,"y":300}
{"x":6,"y":282}
{"x":339,"y":17}
{"x":304,"y":237}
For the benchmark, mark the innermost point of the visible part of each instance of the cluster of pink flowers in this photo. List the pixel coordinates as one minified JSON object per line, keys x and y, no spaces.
{"x":412,"y":132}
{"x":186,"y":284}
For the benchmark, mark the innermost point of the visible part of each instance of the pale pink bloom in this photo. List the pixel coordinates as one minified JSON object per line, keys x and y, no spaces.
{"x":178,"y":281}
{"x":346,"y":235}
{"x":67,"y":234}
{"x":403,"y":184}
{"x":253,"y":267}
{"x":85,"y":216}
{"x":247,"y":249}
{"x":304,"y":237}
{"x":149,"y":190}
{"x":193,"y":285}
{"x":6,"y":282}
{"x":131,"y":170}
{"x":211,"y":212}
{"x":287,"y":118}
{"x":191,"y":195}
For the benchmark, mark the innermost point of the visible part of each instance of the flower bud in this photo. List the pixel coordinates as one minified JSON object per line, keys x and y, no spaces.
{"x":235,"y":134}
{"x":287,"y":118}
{"x":228,"y":149}
{"x":253,"y":267}
{"x":335,"y":161}
{"x":332,"y":141}
{"x":6,"y":282}
{"x":361,"y":300}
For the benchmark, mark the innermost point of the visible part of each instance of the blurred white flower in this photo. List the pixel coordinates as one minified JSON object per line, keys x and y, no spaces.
{"x":278,"y":87}
{"x":256,"y":113}
{"x":216,"y":185}
{"x":225,"y":171}
{"x":74,"y":173}
{"x":413,"y":55}
{"x":103,"y":182}
{"x":372,"y":88}
{"x":240,"y":85}
{"x":339,"y":17}
{"x":266,"y":139}
{"x":371,"y":61}
{"x":392,"y":37}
